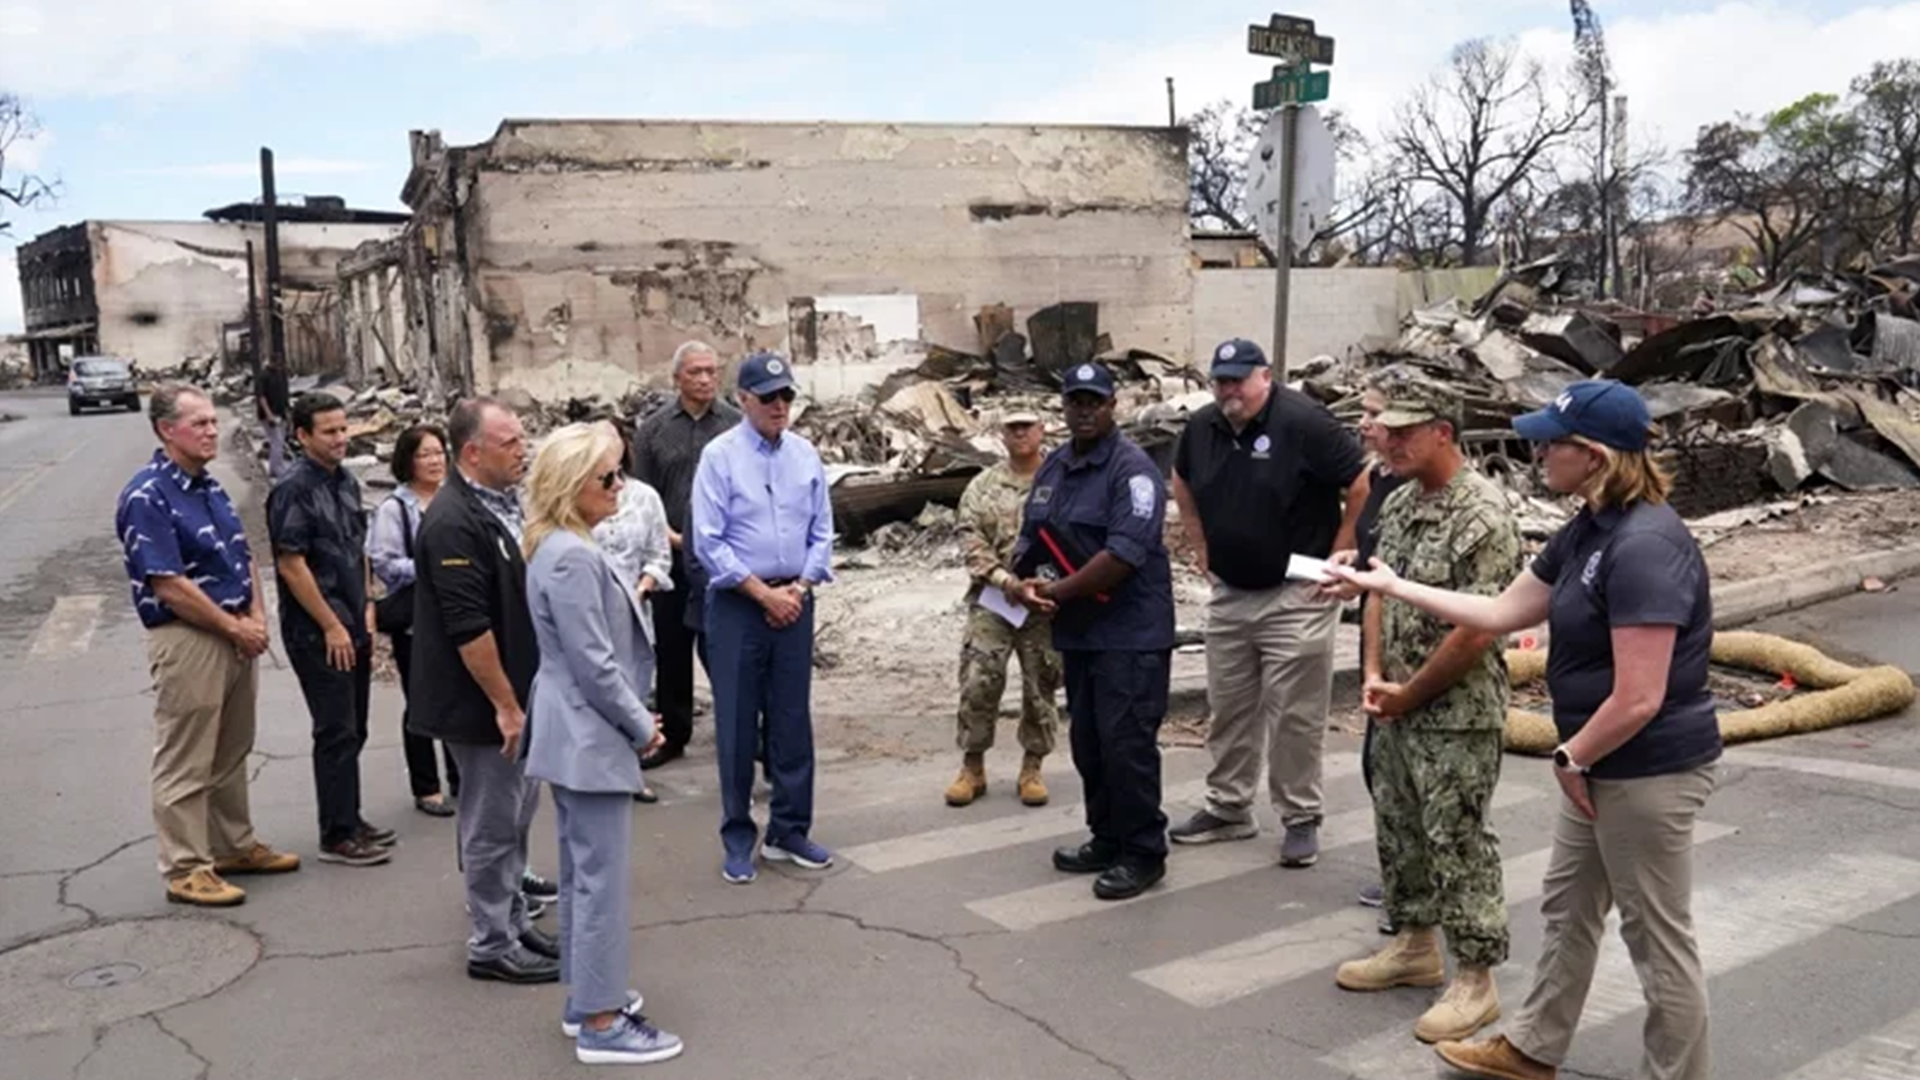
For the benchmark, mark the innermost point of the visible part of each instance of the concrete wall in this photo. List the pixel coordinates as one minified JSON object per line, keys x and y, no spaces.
{"x":165,"y":289}
{"x":595,"y":248}
{"x":1329,"y":311}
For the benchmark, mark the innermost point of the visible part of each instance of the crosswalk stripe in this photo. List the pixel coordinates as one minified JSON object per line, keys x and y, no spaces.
{"x":1012,"y":830}
{"x":1245,"y":967}
{"x":1892,"y":1053}
{"x":1062,"y":900}
{"x":1829,"y":767}
{"x":1735,"y":924}
{"x":68,"y":628}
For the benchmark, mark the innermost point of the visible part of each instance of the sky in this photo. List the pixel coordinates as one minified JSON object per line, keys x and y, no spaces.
{"x":158,"y":110}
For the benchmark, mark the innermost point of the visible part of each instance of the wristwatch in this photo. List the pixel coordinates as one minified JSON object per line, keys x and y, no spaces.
{"x":1564,"y":761}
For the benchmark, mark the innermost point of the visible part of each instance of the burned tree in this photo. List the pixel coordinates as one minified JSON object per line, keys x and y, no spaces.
{"x":1887,"y":109}
{"x":18,"y":190}
{"x":1476,"y":132}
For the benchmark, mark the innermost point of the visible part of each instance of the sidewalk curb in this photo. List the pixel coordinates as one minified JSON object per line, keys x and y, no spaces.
{"x":1735,"y":604}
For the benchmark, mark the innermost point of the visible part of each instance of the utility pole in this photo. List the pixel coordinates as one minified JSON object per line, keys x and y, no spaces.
{"x":1283,"y":252}
{"x":270,"y":219}
{"x":1173,"y":116}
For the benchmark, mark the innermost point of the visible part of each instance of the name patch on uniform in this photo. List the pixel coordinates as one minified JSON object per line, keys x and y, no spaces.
{"x":456,"y":562}
{"x":1144,"y":493}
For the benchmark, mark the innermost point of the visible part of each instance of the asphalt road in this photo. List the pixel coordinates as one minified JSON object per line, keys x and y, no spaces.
{"x":942,"y":945}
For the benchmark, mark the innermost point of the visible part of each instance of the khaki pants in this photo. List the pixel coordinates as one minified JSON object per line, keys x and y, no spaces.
{"x":1638,"y":855}
{"x":203,"y":720}
{"x":1269,"y":683}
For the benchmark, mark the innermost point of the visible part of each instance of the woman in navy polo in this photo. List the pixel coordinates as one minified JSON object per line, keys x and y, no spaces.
{"x":1624,"y":590}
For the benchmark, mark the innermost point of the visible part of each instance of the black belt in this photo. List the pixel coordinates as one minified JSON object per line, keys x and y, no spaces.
{"x":779,"y":582}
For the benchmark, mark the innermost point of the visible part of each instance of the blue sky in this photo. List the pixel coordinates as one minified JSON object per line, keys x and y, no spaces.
{"x":159,"y":111}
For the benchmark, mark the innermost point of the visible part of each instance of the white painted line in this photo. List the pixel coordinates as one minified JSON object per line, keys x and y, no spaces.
{"x":1267,"y":960}
{"x":1892,"y":1053}
{"x":68,"y":628}
{"x":1189,"y":869}
{"x":1834,"y":768}
{"x":1028,"y":826}
{"x":1736,"y":924}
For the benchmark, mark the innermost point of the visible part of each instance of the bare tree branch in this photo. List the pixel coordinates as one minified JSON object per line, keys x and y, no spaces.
{"x":23,"y":189}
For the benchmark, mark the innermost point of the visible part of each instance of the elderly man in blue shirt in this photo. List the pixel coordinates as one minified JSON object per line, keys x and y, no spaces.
{"x":763,"y":530}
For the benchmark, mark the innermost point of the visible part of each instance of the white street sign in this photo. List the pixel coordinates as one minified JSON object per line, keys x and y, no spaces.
{"x":1313,"y":178}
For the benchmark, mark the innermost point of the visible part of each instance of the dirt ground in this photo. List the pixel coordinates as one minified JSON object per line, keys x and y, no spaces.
{"x":1847,"y":525}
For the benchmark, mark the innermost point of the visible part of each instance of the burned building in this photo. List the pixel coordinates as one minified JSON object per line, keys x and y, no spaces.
{"x":164,"y":292}
{"x":572,"y":257}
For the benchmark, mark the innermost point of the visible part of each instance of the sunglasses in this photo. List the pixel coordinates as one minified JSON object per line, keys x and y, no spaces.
{"x":609,"y":479}
{"x":778,"y":395}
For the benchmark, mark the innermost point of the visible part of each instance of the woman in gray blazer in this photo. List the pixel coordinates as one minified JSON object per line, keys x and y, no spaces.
{"x":586,"y":729}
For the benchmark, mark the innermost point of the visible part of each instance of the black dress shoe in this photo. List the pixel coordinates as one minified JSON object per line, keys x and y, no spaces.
{"x":1091,"y":857}
{"x":1128,"y":880}
{"x":667,"y":752}
{"x":518,"y":966}
{"x":540,"y":942}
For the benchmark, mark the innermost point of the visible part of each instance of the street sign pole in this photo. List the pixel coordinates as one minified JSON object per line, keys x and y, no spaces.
{"x":1283,"y":256}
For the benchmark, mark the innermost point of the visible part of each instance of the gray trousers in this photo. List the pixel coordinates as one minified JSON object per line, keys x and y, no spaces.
{"x":496,"y":807}
{"x":596,"y":885}
{"x":275,"y":434}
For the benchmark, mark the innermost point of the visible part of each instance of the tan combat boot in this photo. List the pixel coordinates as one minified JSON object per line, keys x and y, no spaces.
{"x":1033,"y":789}
{"x":1411,"y":959}
{"x":203,"y":888}
{"x":971,"y":783}
{"x":1494,"y":1059}
{"x":1470,"y":1003}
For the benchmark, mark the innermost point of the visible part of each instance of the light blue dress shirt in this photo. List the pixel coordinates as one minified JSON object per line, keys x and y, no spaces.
{"x":762,"y":509}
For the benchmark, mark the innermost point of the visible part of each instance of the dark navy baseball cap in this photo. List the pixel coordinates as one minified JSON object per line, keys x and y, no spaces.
{"x":1087,"y":378}
{"x":1610,"y":413}
{"x":1237,"y":359}
{"x":765,"y":373}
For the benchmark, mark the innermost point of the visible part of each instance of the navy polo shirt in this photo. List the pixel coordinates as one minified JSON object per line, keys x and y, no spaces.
{"x":1631,"y":567}
{"x":1113,"y":499}
{"x":175,"y":524}
{"x":317,"y":514}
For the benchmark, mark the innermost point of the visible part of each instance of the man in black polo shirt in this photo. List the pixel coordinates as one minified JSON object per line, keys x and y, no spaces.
{"x":319,"y":532}
{"x":1261,"y":475}
{"x":666,"y":451}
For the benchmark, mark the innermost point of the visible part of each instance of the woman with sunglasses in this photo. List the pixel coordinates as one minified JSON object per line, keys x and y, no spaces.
{"x":587,"y":728}
{"x":1625,"y":593}
{"x":635,"y":541}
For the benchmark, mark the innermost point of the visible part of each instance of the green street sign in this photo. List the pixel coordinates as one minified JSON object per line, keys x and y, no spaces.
{"x":1290,"y":38}
{"x":1291,"y":87}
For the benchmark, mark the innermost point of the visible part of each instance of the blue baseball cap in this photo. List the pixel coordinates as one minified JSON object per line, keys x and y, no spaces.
{"x":765,"y":373}
{"x":1237,"y":359}
{"x":1087,"y":378}
{"x":1610,"y":413}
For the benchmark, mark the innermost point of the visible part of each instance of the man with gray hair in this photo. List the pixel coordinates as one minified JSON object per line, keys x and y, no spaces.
{"x":666,"y":451}
{"x":197,"y":591}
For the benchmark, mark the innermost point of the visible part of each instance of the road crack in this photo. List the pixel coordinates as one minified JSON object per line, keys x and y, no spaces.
{"x":206,"y":1067}
{"x":99,"y":1040}
{"x":66,"y":879}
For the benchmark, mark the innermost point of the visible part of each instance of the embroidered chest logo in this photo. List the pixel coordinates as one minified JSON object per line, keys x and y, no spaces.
{"x":1042,"y":494}
{"x":1262,"y":448}
{"x":1141,"y":489}
{"x":1592,"y":570}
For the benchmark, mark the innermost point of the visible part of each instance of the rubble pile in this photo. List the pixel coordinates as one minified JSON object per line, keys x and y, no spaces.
{"x":1812,"y":382}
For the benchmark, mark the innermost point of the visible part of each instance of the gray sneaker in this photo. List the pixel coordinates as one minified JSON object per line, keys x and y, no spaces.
{"x":1204,"y":828}
{"x":1301,"y":847}
{"x":631,"y":1040}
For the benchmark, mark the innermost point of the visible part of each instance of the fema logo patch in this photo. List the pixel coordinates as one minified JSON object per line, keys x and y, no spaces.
{"x":1592,"y":570}
{"x":1145,"y":494}
{"x":1262,"y":445}
{"x":775,"y":367}
{"x":1085,"y":374}
{"x":1563,"y":402}
{"x":1227,"y":351}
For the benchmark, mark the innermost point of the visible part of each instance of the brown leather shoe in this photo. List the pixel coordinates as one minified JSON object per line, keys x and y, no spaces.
{"x":260,"y":859}
{"x":203,"y":888}
{"x":1494,"y":1059}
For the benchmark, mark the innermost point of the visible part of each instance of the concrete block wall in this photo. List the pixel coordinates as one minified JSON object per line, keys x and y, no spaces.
{"x":1329,"y":311}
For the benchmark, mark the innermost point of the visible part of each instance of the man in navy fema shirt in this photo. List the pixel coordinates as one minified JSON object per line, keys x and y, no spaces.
{"x":198,"y":594}
{"x":1092,"y":553}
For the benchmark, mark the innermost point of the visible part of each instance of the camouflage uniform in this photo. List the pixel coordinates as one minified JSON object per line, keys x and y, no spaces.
{"x":1436,"y":767}
{"x":989,"y":524}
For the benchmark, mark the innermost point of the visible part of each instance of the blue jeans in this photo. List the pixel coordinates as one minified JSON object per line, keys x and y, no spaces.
{"x":758,"y":670}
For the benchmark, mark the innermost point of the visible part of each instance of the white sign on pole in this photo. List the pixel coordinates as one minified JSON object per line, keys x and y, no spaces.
{"x":1313,"y":178}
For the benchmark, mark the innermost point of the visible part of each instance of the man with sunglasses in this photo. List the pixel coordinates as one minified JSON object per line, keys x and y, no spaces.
{"x":666,"y":450}
{"x":1261,"y":475}
{"x":763,"y":531}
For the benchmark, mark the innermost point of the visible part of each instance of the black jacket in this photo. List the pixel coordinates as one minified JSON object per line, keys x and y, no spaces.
{"x":469,"y":579}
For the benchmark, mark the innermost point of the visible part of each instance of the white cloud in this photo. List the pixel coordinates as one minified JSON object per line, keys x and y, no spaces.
{"x":112,"y":47}
{"x":12,"y":318}
{"x":29,"y":154}
{"x":1679,"y":70}
{"x":230,"y":170}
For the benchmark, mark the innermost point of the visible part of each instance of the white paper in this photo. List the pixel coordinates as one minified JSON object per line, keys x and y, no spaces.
{"x":1308,"y":568}
{"x":996,"y":601}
